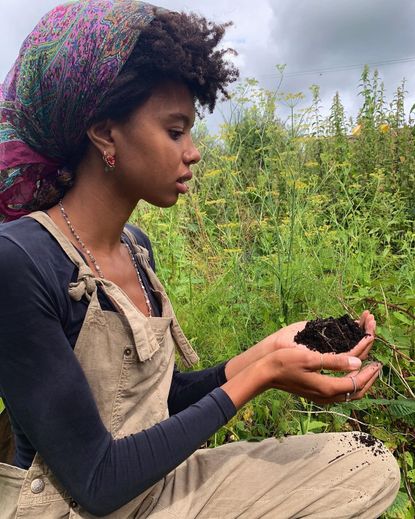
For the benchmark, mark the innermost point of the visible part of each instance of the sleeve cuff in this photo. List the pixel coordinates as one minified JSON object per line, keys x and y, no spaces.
{"x":224,"y":402}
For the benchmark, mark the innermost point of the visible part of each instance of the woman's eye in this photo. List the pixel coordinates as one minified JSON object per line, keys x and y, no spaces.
{"x":175,"y":134}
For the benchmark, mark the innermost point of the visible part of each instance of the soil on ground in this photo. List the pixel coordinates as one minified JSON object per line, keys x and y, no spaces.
{"x":331,"y":335}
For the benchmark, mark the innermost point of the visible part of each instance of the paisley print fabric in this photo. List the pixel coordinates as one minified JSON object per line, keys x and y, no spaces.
{"x":63,"y":71}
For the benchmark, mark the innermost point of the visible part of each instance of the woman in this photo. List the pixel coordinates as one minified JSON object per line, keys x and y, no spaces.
{"x":96,"y":114}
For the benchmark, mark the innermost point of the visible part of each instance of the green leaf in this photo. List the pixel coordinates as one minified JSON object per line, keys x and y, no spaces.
{"x":403,"y":318}
{"x":410,"y":300}
{"x":316,"y":425}
{"x":411,"y":475}
{"x":409,"y":459}
{"x":401,"y":507}
{"x":398,"y":408}
{"x":401,"y":408}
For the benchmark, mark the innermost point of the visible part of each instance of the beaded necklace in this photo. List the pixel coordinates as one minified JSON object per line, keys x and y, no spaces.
{"x":94,"y":261}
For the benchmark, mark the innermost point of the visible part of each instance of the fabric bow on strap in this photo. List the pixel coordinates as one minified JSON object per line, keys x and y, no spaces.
{"x":84,"y":286}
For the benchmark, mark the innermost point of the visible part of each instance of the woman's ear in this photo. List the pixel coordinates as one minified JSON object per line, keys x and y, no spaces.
{"x":100,"y":136}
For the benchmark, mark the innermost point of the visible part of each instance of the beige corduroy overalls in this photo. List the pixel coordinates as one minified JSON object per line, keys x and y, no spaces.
{"x":128,"y":360}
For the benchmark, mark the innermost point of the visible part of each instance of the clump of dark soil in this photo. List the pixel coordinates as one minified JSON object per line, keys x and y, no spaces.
{"x":331,"y":335}
{"x":374,"y":444}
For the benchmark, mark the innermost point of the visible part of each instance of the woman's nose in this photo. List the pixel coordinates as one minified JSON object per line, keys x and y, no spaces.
{"x":192,"y":154}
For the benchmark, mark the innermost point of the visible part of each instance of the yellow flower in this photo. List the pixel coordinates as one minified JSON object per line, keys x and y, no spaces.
{"x":357,"y":130}
{"x":324,"y":228}
{"x":299,"y":184}
{"x":384,"y":128}
{"x":248,"y":414}
{"x":264,"y":222}
{"x":213,"y":173}
{"x":311,"y":164}
{"x":228,"y":225}
{"x":219,"y":201}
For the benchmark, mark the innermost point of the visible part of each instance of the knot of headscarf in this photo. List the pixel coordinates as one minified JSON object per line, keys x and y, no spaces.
{"x":64,"y":69}
{"x":85,"y":285}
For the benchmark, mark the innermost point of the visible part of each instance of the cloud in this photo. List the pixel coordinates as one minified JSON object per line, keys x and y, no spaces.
{"x":306,"y":34}
{"x":322,"y":34}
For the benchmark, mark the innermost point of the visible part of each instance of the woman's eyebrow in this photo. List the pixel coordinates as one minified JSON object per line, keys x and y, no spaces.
{"x":179,"y":116}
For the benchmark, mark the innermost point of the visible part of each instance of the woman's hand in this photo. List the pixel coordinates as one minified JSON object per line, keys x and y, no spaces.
{"x":368,"y":324}
{"x":284,"y":338}
{"x":297,"y":371}
{"x":278,"y":361}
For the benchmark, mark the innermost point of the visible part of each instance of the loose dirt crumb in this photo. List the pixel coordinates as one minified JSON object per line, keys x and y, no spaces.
{"x":375,"y":445}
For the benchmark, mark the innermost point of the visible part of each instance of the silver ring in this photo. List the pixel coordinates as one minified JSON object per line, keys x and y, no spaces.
{"x":347,"y":399}
{"x":354,"y":385}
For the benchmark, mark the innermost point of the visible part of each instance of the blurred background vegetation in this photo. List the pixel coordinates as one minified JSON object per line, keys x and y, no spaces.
{"x":292,"y":220}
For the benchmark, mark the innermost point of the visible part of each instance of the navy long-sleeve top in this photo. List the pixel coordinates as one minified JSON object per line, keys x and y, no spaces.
{"x":48,"y":398}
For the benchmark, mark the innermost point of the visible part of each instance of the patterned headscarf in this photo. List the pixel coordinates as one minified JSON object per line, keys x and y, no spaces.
{"x":64,"y":69}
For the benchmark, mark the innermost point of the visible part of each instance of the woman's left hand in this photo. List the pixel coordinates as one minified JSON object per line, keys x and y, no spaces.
{"x":284,"y":338}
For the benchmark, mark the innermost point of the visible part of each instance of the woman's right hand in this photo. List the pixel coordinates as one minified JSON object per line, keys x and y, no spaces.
{"x":279,"y":362}
{"x":297,"y":371}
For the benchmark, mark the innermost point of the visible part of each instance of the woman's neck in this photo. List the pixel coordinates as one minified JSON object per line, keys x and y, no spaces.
{"x":96,"y":210}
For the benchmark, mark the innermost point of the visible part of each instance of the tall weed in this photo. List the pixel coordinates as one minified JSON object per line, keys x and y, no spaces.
{"x":289,"y":221}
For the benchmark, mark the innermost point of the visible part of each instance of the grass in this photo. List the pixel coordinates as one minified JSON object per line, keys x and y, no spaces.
{"x":289,"y":222}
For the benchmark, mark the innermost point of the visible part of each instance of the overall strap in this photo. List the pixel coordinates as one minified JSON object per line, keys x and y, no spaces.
{"x":187,"y":353}
{"x":67,"y":246}
{"x":86,"y":285}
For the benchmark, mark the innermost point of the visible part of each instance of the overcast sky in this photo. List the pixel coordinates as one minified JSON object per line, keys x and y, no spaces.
{"x":331,"y":38}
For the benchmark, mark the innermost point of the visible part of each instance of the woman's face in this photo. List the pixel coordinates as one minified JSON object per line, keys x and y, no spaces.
{"x":154,"y":148}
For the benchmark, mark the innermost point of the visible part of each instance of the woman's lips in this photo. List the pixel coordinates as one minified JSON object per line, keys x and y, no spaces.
{"x":181,"y":185}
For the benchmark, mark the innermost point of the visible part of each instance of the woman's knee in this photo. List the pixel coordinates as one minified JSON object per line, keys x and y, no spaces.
{"x":377,"y":467}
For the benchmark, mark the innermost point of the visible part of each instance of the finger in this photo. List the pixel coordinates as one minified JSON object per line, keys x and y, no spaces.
{"x":333,"y":362}
{"x":363,"y":318}
{"x":360,"y":394}
{"x":367,"y":322}
{"x":370,"y":325}
{"x":341,"y":386}
{"x":362,"y":348}
{"x":363,"y":380}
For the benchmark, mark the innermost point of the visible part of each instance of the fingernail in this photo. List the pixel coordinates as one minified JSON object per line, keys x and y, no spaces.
{"x":354,"y":362}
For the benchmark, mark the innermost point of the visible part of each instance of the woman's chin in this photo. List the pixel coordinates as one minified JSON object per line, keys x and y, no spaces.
{"x":164,"y":202}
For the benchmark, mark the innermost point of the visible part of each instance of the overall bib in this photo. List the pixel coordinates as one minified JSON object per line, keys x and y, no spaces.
{"x":128,"y":360}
